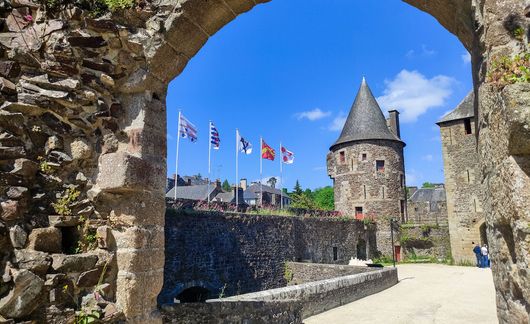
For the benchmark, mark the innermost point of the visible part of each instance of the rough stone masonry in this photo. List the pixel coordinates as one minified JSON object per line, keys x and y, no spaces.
{"x":82,"y":142}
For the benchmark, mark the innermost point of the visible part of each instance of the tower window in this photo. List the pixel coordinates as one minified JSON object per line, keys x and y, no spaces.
{"x":401,"y":180}
{"x":383,"y":188}
{"x":402,"y":209}
{"x":380,"y":166}
{"x":359,"y":213}
{"x":467,"y":125}
{"x":342,"y":157}
{"x":335,"y":253}
{"x":363,"y":157}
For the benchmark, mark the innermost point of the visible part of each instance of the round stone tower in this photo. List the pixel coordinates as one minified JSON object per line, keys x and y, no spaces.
{"x":367,"y":168}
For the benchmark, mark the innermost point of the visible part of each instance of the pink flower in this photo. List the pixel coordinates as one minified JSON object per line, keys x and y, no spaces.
{"x":28,"y":18}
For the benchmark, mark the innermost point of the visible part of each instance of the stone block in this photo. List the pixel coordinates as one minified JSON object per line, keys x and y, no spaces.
{"x":7,"y":87}
{"x":12,"y":153}
{"x":35,"y":261}
{"x":63,"y":221}
{"x":9,"y":69}
{"x":25,"y":168}
{"x":18,"y":236}
{"x":11,"y":210}
{"x":105,"y":238}
{"x":91,"y":42}
{"x":123,"y":172}
{"x":17,"y":193}
{"x":25,"y":297}
{"x":48,"y":239}
{"x":89,"y":278}
{"x":74,"y":263}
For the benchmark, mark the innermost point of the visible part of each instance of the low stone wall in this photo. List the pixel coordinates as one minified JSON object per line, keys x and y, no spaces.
{"x":299,"y":273}
{"x":425,"y":241}
{"x":320,"y":296}
{"x":231,"y":254}
{"x":216,"y":311}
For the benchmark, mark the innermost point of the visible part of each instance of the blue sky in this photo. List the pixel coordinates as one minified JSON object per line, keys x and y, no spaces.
{"x":289,"y":71}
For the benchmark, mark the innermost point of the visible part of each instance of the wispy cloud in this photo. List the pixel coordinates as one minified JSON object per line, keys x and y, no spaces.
{"x":338,"y":123}
{"x":320,"y":168}
{"x":427,"y":157}
{"x":312,"y":115}
{"x":413,"y":177}
{"x":466,"y":57}
{"x":425,"y":51}
{"x":413,"y":94}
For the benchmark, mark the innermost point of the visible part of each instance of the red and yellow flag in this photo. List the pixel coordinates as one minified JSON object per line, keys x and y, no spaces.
{"x":267,"y":152}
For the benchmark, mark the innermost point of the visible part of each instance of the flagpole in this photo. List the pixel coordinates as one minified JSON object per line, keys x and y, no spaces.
{"x":237,"y":155}
{"x":261,"y":170}
{"x":281,"y":177}
{"x":177,"y":157}
{"x":209,"y":160}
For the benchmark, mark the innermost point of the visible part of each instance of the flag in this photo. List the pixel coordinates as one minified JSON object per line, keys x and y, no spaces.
{"x":214,"y":137}
{"x":267,"y":152}
{"x":243,"y":145}
{"x":187,"y":129}
{"x":287,"y":156}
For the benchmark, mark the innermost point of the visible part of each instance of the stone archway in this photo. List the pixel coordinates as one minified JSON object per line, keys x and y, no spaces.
{"x":100,"y":86}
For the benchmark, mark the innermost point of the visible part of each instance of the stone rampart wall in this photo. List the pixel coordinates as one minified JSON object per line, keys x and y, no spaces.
{"x":426,"y":241}
{"x":298,"y":272}
{"x":320,"y":296}
{"x":236,"y":253}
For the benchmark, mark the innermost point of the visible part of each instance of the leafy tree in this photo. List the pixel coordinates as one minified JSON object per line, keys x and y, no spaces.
{"x":302,"y":201}
{"x":427,"y":185}
{"x":297,"y":188}
{"x":309,"y":193}
{"x":324,"y":198}
{"x":284,"y":190}
{"x":272,"y":182}
{"x":226,"y":186}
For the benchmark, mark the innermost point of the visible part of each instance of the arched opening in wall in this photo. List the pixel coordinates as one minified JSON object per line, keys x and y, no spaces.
{"x":483,"y":235}
{"x":193,"y":295}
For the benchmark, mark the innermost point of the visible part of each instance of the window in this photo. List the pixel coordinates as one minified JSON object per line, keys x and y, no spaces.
{"x":467,"y":125}
{"x":383,"y":189}
{"x":359,"y":213}
{"x":364,"y":191}
{"x":342,"y":157}
{"x":335,"y":253}
{"x":402,"y":180}
{"x":363,"y":157}
{"x":380,"y":166}
{"x":468,"y":179}
{"x":402,"y":209}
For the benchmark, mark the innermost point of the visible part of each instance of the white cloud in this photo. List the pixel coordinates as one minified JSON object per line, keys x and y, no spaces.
{"x":413,"y":94}
{"x":427,"y":157}
{"x":466,"y":57}
{"x":312,"y":115}
{"x":413,"y":178}
{"x":338,"y":123}
{"x":427,"y":51}
{"x":320,"y":168}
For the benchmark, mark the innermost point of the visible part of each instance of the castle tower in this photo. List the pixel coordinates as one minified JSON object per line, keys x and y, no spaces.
{"x":462,"y":180}
{"x":367,"y":167}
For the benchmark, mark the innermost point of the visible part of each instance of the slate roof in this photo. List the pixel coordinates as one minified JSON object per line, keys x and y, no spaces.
{"x":255,"y":188}
{"x":191,"y":192}
{"x":365,"y":120}
{"x":249,"y":195}
{"x":465,"y":109}
{"x":225,"y":196}
{"x":428,"y":194}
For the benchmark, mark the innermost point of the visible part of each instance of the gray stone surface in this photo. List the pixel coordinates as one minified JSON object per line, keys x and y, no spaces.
{"x":46,"y":239}
{"x":24,"y":297}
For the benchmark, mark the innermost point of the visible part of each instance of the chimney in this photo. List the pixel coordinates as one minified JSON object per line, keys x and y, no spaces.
{"x":393,"y":122}
{"x":218,"y":183}
{"x":243,"y":184}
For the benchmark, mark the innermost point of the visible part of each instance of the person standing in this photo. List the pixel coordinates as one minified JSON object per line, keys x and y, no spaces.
{"x":485,"y":261}
{"x":478,"y":253}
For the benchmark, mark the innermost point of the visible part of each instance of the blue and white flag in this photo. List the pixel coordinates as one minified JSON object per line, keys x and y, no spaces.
{"x":214,"y":137}
{"x":243,"y":145}
{"x":187,"y":129}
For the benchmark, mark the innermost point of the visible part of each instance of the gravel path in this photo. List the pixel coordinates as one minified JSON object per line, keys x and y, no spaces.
{"x":426,"y":293}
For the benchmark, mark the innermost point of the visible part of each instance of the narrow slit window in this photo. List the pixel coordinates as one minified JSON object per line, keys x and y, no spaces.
{"x":467,"y":125}
{"x":383,"y":189}
{"x":401,"y":180}
{"x":335,"y":253}
{"x":363,"y":157}
{"x":468,"y":179}
{"x":364,"y":191}
{"x":380,"y":166}
{"x":342,"y":157}
{"x":475,"y":204}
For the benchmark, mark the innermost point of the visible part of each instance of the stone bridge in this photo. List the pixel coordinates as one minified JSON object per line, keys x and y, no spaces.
{"x":83,"y":138}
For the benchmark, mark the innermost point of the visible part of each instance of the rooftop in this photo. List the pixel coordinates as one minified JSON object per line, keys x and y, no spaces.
{"x":365,"y":120}
{"x":465,"y":109}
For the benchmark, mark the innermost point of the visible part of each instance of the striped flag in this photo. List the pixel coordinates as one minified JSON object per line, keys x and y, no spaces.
{"x":287,"y":156}
{"x":267,"y":152}
{"x":214,"y":137}
{"x":187,"y":129}
{"x":243,"y":145}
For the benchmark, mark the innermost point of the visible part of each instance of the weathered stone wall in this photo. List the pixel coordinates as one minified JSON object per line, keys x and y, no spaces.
{"x":220,"y":311}
{"x":427,"y":212}
{"x":237,"y":253}
{"x":463,"y":187}
{"x":297,"y":272}
{"x":357,"y":184}
{"x":319,"y":296}
{"x":425,"y":241}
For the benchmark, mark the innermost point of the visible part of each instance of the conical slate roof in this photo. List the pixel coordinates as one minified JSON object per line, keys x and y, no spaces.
{"x":465,"y":109}
{"x":366,"y":120}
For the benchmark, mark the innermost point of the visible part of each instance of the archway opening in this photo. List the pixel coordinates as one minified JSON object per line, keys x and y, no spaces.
{"x":483,"y":235}
{"x":361,"y":249}
{"x":194,"y":294}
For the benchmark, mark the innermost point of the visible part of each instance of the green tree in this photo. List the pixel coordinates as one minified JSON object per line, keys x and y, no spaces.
{"x":302,"y":201}
{"x":272,"y":182}
{"x":427,"y":185}
{"x":297,"y":188}
{"x":324,"y":198}
{"x":309,"y":193}
{"x":226,"y":186}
